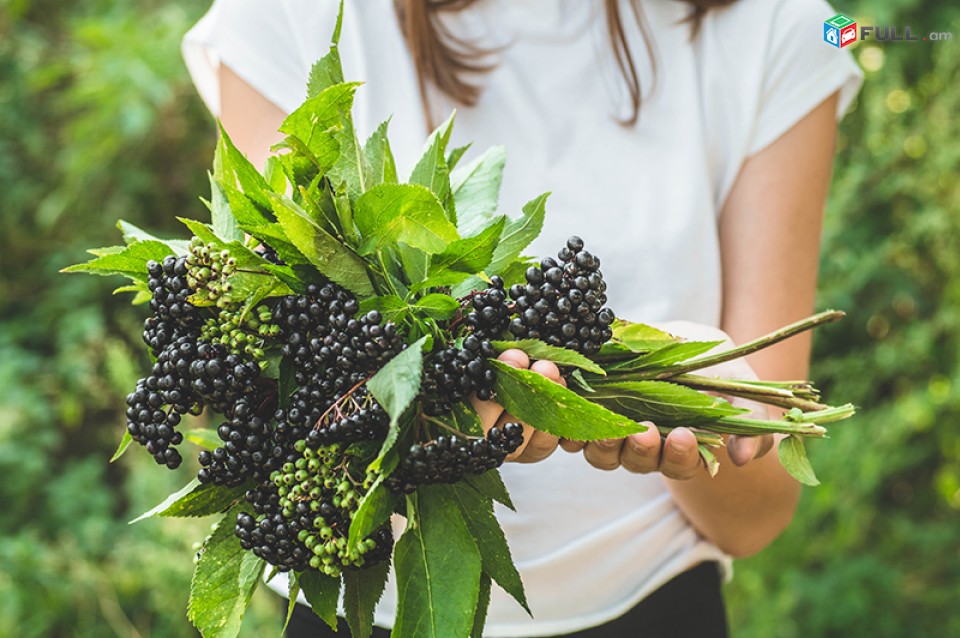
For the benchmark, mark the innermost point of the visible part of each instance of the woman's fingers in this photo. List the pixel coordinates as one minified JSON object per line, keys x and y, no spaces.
{"x":743,"y":449}
{"x":572,"y":446}
{"x":604,"y":454}
{"x":680,"y":459}
{"x":641,"y":452}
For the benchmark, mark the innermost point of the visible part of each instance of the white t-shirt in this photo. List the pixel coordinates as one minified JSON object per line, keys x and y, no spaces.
{"x":589,"y":544}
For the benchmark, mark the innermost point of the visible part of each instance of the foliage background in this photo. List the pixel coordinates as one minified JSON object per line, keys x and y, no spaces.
{"x":99,"y":120}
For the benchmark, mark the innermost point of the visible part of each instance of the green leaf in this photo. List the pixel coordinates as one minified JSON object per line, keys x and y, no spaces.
{"x":437,"y":306}
{"x":438,"y":569}
{"x":379,"y":158}
{"x":793,"y":457}
{"x":223,"y":581}
{"x":130,"y":261}
{"x":362,"y":589}
{"x":224,"y":225}
{"x":537,"y":349}
{"x":579,"y":381}
{"x":477,"y":511}
{"x":234,"y":168}
{"x":476,"y":189}
{"x":373,"y":511}
{"x":205,"y":500}
{"x":167,"y":502}
{"x":662,"y":402}
{"x":638,"y":337}
{"x":466,"y":419}
{"x":709,"y":459}
{"x":454,"y":156}
{"x":666,"y":356}
{"x":318,"y":119}
{"x":331,"y":258}
{"x":518,"y":233}
{"x":431,"y":169}
{"x":204,"y":437}
{"x":483,"y":604}
{"x":124,"y":444}
{"x":471,"y":254}
{"x":133,"y":233}
{"x":550,"y":407}
{"x":274,"y":175}
{"x":413,"y":263}
{"x":397,"y":383}
{"x":407,"y":213}
{"x":328,"y":71}
{"x":293,"y":591}
{"x":322,"y":592}
{"x":490,"y":484}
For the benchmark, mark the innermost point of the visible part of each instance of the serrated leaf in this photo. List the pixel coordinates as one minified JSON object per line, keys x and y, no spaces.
{"x":662,"y":402}
{"x":204,"y":500}
{"x":476,"y":189}
{"x":379,"y":158}
{"x":407,"y":213}
{"x":373,"y":511}
{"x":167,"y":502}
{"x":204,"y":437}
{"x":130,"y":261}
{"x":466,"y":419}
{"x":327,"y":71}
{"x":431,"y":169}
{"x":438,"y":570}
{"x":397,"y":383}
{"x":124,"y":444}
{"x":666,"y":355}
{"x":293,"y":591}
{"x":483,"y":604}
{"x":235,"y":169}
{"x":495,"y":556}
{"x":333,"y":259}
{"x":793,"y":457}
{"x":223,"y":581}
{"x":537,"y":349}
{"x":133,"y":233}
{"x":455,"y":155}
{"x":441,"y":279}
{"x":577,"y":378}
{"x":317,"y":121}
{"x":436,"y":306}
{"x":322,"y":592}
{"x":551,"y":408}
{"x":518,"y":233}
{"x":224,"y":225}
{"x":273,"y":174}
{"x":362,"y":589}
{"x":490,"y":484}
{"x":470,"y":254}
{"x":638,"y":337}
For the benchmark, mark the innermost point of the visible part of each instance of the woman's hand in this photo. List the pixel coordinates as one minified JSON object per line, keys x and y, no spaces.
{"x":536,"y":445}
{"x":676,"y":456}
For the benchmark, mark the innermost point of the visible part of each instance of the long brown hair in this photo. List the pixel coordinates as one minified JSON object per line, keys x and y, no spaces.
{"x":444,"y":60}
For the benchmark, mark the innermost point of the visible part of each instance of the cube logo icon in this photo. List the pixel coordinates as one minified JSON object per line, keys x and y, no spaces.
{"x":840,"y":30}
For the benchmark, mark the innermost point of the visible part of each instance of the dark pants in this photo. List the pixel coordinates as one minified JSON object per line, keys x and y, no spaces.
{"x":690,"y":605}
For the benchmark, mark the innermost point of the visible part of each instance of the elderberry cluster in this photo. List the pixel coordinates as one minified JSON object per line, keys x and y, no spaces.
{"x":562,"y":302}
{"x":208,"y":270}
{"x":452,"y":374}
{"x":491,"y":314}
{"x":173,"y":316}
{"x":447,"y":459}
{"x":303,"y":514}
{"x":248,"y":450}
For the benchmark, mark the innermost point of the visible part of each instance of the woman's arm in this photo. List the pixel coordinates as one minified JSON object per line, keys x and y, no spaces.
{"x":250,"y":119}
{"x":770,"y":246}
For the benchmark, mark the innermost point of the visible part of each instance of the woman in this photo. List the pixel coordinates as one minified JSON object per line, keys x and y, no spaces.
{"x":690,"y":144}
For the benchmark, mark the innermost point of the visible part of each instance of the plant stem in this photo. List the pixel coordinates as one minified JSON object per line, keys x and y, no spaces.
{"x":748,"y":426}
{"x":746,"y":390}
{"x":752,"y":346}
{"x":703,"y":438}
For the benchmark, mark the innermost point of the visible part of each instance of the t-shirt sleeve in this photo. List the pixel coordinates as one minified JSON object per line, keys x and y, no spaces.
{"x":260,"y":41}
{"x":801,"y":71}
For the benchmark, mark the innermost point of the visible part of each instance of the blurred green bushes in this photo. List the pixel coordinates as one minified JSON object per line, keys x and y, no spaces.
{"x":98,"y":120}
